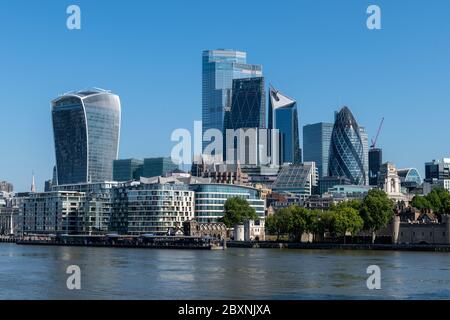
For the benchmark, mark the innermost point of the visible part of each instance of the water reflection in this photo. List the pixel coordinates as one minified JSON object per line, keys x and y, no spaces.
{"x":107,"y":273}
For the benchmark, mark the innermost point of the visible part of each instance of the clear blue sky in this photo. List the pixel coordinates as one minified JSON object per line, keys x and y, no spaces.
{"x":149,"y":52}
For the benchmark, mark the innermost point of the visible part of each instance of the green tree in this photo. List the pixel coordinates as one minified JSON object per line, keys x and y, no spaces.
{"x":346,"y":219}
{"x":321,"y":222}
{"x":237,"y":210}
{"x":279,"y":223}
{"x":299,"y":221}
{"x":437,"y":200}
{"x":376,"y":211}
{"x":421,"y":203}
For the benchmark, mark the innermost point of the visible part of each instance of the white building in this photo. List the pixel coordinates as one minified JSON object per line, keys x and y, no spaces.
{"x":151,"y":208}
{"x":389,"y":182}
{"x":250,"y":230}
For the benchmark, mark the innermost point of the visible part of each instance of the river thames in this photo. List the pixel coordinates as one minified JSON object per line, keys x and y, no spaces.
{"x":39,"y":272}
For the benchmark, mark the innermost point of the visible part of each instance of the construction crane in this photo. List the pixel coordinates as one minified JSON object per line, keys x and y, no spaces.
{"x":374,"y":142}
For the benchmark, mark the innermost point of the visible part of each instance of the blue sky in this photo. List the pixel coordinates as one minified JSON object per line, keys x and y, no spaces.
{"x":149,"y":52}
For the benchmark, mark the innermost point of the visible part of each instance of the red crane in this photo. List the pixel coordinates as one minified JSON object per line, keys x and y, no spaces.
{"x":374,"y":142}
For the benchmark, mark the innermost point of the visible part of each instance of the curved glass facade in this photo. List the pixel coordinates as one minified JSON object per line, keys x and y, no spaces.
{"x":86,"y":127}
{"x":409,"y":176}
{"x":210,"y":200}
{"x":347,"y":149}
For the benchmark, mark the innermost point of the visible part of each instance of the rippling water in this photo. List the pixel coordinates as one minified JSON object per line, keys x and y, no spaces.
{"x":29,"y":272}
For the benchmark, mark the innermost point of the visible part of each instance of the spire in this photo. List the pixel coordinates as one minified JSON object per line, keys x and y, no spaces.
{"x":33,"y":184}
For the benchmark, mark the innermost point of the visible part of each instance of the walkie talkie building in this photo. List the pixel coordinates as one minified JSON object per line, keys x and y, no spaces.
{"x":86,"y":127}
{"x":347,"y":149}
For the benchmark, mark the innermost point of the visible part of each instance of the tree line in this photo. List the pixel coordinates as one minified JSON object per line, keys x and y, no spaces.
{"x":370,"y":214}
{"x":437,"y":200}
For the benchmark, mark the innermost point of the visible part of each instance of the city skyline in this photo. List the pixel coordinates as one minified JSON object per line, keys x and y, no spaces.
{"x":319,"y":75}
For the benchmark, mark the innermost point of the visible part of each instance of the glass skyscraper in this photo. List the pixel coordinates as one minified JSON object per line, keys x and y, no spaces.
{"x":161,"y":166}
{"x":86,"y":127}
{"x":316,"y":145}
{"x":375,"y":162}
{"x":248,"y":105}
{"x":365,"y":141}
{"x":348,"y":149}
{"x":247,"y":111}
{"x":127,"y":169}
{"x":283,"y":115}
{"x":220,"y":67}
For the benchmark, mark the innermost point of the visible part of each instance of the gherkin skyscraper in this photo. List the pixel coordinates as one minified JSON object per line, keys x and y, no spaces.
{"x":348,"y":149}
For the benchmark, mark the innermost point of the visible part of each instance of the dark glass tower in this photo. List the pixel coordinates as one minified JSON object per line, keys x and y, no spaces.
{"x":86,"y":127}
{"x":316,"y":145}
{"x":247,"y":111}
{"x":248,"y":104}
{"x":127,"y":169}
{"x":154,"y":167}
{"x":347,"y":151}
{"x":375,"y":162}
{"x":283,"y":115}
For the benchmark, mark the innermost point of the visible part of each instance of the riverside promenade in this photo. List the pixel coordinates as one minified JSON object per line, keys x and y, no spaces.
{"x":339,"y":246}
{"x":199,"y":243}
{"x":155,"y":242}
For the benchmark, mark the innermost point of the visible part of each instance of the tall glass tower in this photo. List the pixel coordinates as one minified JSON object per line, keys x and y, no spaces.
{"x":316,"y":145}
{"x":348,"y":149}
{"x":86,"y":128}
{"x":247,"y":111}
{"x":283,"y":115}
{"x":365,"y":141}
{"x":220,"y":67}
{"x":248,"y":105}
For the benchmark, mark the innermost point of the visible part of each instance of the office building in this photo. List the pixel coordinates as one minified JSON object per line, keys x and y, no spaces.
{"x":219,"y":69}
{"x":437,"y":169}
{"x":261,"y":174}
{"x":127,"y":169}
{"x":297,"y":179}
{"x":243,"y":120}
{"x":283,"y":116}
{"x":161,"y":166}
{"x":210,"y":199}
{"x":6,"y":187}
{"x":375,"y":162}
{"x":348,"y":149}
{"x":248,"y":104}
{"x":365,"y":143}
{"x":221,"y":173}
{"x":86,"y":127}
{"x":316,"y":145}
{"x":409,"y":178}
{"x":48,"y":185}
{"x":349,"y":191}
{"x":326,"y":183}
